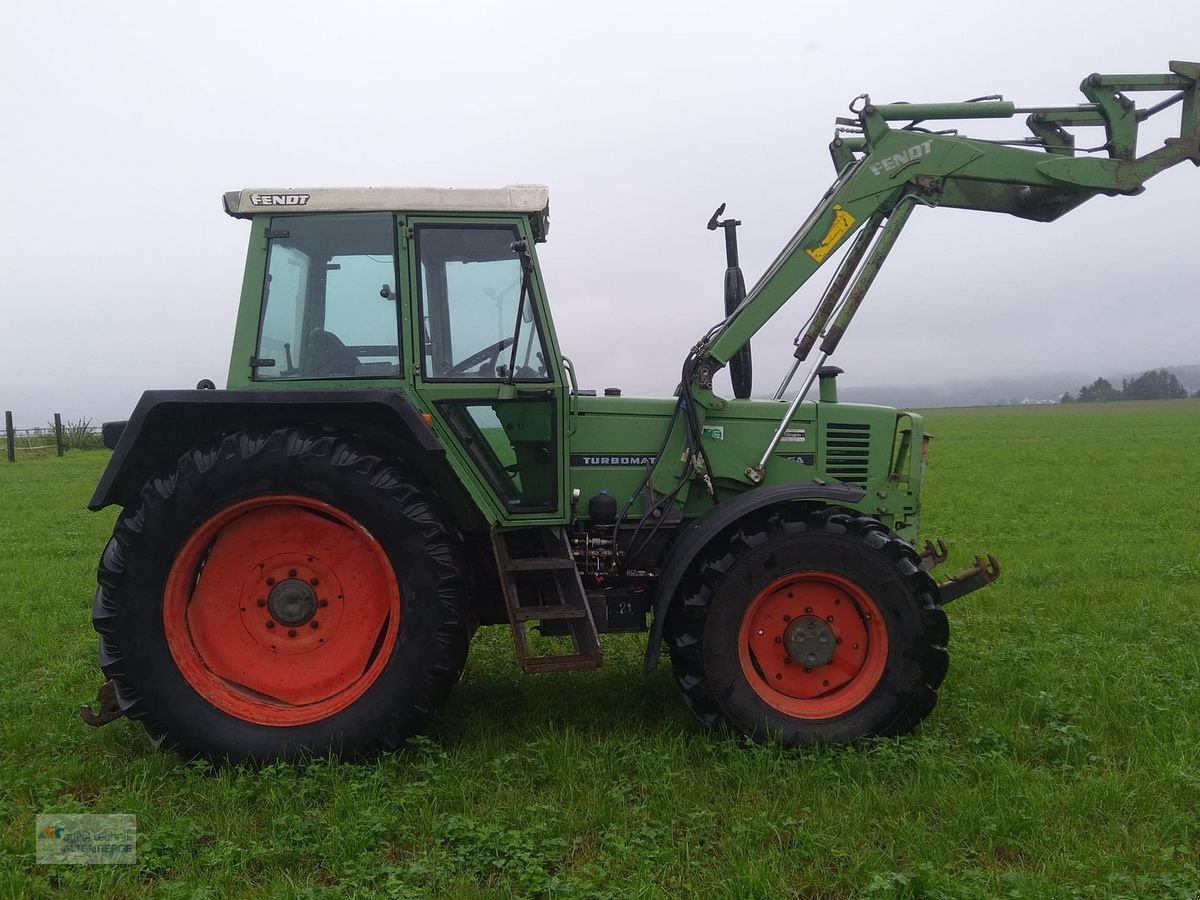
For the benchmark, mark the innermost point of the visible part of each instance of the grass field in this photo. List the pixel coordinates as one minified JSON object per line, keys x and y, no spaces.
{"x":1062,"y":761}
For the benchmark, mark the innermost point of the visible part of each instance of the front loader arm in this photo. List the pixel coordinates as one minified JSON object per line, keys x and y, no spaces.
{"x":883,"y":170}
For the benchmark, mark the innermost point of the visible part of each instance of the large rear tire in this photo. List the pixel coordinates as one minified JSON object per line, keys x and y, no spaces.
{"x":280,"y":594}
{"x":809,"y":626}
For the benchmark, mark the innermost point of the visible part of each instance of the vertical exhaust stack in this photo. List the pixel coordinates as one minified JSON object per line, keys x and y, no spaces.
{"x":741,"y":370}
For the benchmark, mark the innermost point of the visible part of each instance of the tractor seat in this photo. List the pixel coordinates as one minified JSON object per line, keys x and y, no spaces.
{"x":328,"y":356}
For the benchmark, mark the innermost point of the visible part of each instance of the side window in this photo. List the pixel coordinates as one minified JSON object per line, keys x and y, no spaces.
{"x":329,"y":302}
{"x":475,"y":324}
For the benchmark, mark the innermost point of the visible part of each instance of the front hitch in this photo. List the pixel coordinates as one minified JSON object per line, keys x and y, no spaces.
{"x":968,"y":580}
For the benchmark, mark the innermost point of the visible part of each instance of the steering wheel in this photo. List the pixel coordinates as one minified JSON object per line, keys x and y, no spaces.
{"x":491,"y":352}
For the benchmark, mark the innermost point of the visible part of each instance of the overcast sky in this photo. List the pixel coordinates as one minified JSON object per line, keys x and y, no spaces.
{"x":124,"y":123}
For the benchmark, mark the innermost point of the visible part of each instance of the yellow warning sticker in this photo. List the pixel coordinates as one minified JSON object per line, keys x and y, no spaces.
{"x":842,"y":222}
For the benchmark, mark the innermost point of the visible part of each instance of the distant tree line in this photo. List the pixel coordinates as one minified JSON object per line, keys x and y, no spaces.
{"x":1157,"y":384}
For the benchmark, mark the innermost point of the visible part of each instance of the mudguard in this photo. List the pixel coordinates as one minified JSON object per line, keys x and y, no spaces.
{"x":696,"y":536}
{"x":164,"y":424}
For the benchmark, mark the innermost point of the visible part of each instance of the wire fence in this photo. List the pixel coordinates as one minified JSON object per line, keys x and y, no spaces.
{"x":55,"y":436}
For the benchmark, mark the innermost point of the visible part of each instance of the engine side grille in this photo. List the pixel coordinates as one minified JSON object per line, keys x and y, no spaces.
{"x":847,"y":452}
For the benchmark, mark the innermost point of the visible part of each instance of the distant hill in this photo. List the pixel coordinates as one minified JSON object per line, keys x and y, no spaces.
{"x":1010,"y":391}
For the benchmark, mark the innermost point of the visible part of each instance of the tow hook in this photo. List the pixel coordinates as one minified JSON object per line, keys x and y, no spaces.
{"x":979,"y":575}
{"x":106,"y":700}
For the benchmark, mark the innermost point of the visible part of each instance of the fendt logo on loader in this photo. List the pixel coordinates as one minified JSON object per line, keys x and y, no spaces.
{"x":279,"y":199}
{"x":903,"y":158}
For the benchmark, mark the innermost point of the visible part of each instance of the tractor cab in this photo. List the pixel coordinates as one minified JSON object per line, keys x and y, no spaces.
{"x":435,"y":291}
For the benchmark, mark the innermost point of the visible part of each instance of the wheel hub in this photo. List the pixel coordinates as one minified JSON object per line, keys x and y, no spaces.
{"x":809,"y":641}
{"x":292,"y":602}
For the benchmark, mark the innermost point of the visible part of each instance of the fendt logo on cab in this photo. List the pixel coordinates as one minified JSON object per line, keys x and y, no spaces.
{"x":279,"y":199}
{"x":901,"y":159}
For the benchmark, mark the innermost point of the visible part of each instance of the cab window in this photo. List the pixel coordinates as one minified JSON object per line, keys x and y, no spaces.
{"x":476,"y":322}
{"x":330,"y":304}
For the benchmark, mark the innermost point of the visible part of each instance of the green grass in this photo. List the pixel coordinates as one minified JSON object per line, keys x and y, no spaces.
{"x":1063,"y":759}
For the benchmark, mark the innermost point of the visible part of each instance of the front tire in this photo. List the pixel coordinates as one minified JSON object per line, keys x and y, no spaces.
{"x":809,"y":625}
{"x":279,"y":594}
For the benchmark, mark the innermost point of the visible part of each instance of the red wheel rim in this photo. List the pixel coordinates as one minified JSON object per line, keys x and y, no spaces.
{"x":814,"y":615}
{"x":281,"y":610}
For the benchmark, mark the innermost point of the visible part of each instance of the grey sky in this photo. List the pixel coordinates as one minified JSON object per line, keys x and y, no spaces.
{"x":125,"y":122}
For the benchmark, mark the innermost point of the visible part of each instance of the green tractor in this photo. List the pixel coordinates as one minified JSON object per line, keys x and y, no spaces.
{"x":402,"y":454}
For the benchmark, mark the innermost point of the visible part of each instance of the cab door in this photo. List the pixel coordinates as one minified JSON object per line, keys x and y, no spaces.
{"x":486,"y":365}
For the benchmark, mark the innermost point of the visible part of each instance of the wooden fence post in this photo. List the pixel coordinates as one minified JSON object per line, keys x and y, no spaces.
{"x":10,"y":437}
{"x":58,"y":435}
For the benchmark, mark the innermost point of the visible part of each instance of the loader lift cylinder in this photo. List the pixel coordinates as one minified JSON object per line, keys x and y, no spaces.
{"x":833,"y":334}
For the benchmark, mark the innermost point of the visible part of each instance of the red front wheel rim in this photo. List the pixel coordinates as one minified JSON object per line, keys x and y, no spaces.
{"x":812,"y":645}
{"x":281,"y":610}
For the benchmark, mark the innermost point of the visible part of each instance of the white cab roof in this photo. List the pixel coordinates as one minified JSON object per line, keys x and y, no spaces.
{"x":515,"y":198}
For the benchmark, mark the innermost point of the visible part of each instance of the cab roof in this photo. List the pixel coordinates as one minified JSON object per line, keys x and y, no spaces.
{"x":531,"y":199}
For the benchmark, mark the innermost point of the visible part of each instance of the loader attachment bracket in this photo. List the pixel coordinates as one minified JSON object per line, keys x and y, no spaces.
{"x":933,"y":554}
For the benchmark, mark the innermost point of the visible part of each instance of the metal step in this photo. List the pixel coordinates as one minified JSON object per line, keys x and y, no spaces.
{"x":541,"y":564}
{"x":543,"y":584}
{"x":536,"y":613}
{"x":560,"y":663}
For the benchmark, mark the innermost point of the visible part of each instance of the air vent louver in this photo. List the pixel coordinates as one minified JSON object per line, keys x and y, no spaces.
{"x":847,"y":452}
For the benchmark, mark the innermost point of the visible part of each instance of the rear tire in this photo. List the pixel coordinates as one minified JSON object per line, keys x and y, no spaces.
{"x":809,"y":625}
{"x":281,"y":594}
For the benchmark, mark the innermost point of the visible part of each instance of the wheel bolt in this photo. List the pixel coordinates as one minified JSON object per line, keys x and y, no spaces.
{"x":787,"y":618}
{"x":291,"y":632}
{"x":854,"y":646}
{"x":270,"y":623}
{"x":322,"y":603}
{"x":829,"y":618}
{"x":779,"y":640}
{"x":314,"y":581}
{"x":808,"y":609}
{"x":314,"y":624}
{"x":270,"y":581}
{"x":262,"y":601}
{"x":291,"y":573}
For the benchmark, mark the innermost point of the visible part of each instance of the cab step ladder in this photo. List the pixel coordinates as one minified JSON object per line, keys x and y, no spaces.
{"x":541,"y":583}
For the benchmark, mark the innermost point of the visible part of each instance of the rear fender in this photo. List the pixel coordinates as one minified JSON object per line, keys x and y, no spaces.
{"x":165,"y":424}
{"x":697,"y":535}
